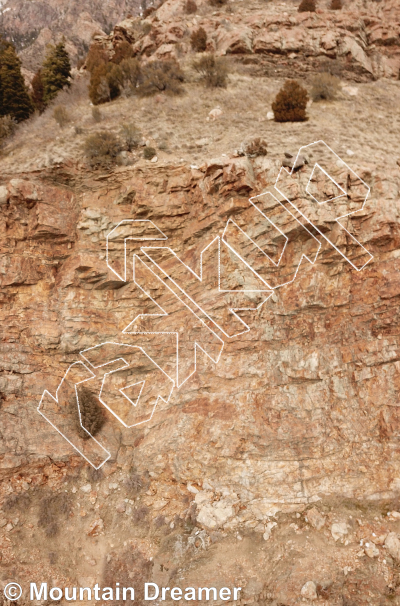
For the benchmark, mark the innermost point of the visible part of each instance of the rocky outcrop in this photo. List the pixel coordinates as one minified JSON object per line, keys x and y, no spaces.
{"x":361,"y":42}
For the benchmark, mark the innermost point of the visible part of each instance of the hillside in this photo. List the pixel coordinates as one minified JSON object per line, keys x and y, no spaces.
{"x":33,"y":25}
{"x":230,"y":420}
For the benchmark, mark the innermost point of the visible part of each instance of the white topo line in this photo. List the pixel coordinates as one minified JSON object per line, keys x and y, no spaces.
{"x":151,"y":232}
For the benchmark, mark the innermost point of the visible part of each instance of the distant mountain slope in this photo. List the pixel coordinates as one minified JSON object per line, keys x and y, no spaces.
{"x":32,"y":24}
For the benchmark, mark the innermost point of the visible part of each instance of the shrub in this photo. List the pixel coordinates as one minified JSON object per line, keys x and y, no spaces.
{"x":130,"y":74}
{"x":307,"y":6}
{"x":51,"y":510}
{"x":160,"y":76}
{"x":123,"y":50}
{"x":148,"y":12}
{"x":60,"y":115}
{"x":256,"y":147}
{"x":325,"y":87}
{"x":217,"y":2}
{"x":290,"y":103}
{"x":106,"y":82}
{"x":7,"y":128}
{"x":198,"y":40}
{"x":95,"y":57}
{"x":92,"y":415}
{"x":336,"y":5}
{"x":96,"y":114}
{"x":149,"y":153}
{"x":190,"y":7}
{"x":213,"y":72}
{"x":102,"y":148}
{"x":130,"y":135}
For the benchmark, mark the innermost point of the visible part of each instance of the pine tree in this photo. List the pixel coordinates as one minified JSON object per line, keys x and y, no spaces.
{"x":38,"y":91}
{"x":14,"y":98}
{"x":56,"y":72}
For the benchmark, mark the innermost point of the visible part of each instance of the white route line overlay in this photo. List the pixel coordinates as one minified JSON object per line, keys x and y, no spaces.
{"x":290,"y":173}
{"x":79,"y":411}
{"x":126,"y":386}
{"x":303,"y":256}
{"x":124,"y":221}
{"x":196,"y":344}
{"x":200,"y":278}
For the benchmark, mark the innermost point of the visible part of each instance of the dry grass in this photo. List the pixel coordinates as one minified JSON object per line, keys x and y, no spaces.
{"x":355,"y":122}
{"x":325,"y":87}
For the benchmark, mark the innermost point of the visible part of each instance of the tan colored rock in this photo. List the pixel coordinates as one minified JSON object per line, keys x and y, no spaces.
{"x":371,"y":549}
{"x":95,"y":528}
{"x":392,"y":544}
{"x":315,"y":518}
{"x":339,"y":530}
{"x":309,"y":591}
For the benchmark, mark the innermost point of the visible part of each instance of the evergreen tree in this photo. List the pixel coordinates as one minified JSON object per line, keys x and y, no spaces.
{"x":38,"y":91}
{"x":14,"y":98}
{"x":56,"y":72}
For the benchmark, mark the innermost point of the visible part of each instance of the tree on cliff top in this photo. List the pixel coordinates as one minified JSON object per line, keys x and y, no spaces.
{"x":56,"y":72}
{"x":14,"y":98}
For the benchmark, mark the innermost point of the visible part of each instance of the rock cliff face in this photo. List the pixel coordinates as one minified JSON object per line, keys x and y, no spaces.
{"x":267,"y":434}
{"x":261,"y":304}
{"x":360,"y":41}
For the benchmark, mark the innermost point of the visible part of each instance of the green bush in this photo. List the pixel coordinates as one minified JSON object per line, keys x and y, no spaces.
{"x":218,"y":3}
{"x":198,"y":40}
{"x":102,"y":148}
{"x":336,"y":5}
{"x":213,"y":72}
{"x":160,"y":76}
{"x":325,"y":87}
{"x":290,"y":103}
